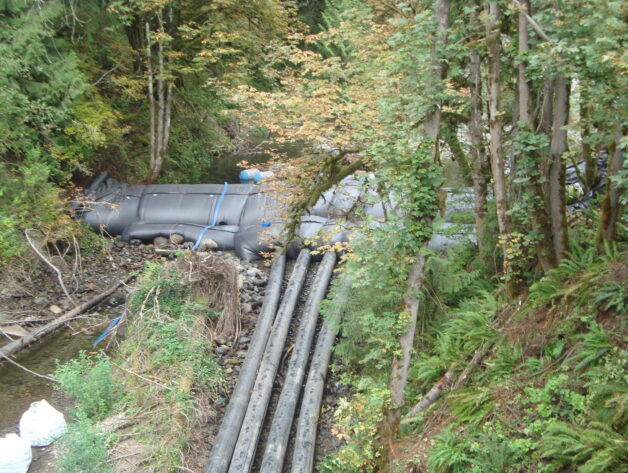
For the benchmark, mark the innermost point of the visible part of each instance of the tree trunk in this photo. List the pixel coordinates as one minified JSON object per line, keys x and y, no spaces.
{"x":134,"y":36}
{"x":557,"y":204}
{"x":439,"y":70}
{"x":495,"y":142}
{"x":478,"y":157}
{"x":151,"y":96}
{"x":539,"y":218}
{"x":401,"y":364}
{"x":588,"y":155}
{"x":611,"y":207}
{"x":160,"y":125}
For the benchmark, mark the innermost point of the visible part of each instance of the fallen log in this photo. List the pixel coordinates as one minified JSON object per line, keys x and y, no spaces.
{"x":244,"y":452}
{"x":305,"y":442}
{"x":430,"y":397}
{"x":284,"y":413}
{"x":12,"y":348}
{"x":232,"y":420}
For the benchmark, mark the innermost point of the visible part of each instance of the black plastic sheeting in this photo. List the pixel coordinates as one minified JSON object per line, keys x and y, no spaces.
{"x":249,"y":221}
{"x":246,"y":218}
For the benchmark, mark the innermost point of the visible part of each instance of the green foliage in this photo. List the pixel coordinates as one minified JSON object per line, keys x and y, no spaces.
{"x":612,"y":295}
{"x":448,"y":454}
{"x":165,"y":336}
{"x":29,"y":201}
{"x":594,"y":449}
{"x":471,"y":405}
{"x":89,"y":380}
{"x":41,"y":80}
{"x":556,"y":399}
{"x":357,"y":422}
{"x":595,"y":344}
{"x":447,"y":276}
{"x":84,"y":449}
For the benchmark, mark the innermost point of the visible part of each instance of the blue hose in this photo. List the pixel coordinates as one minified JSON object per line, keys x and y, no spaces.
{"x":113,"y":323}
{"x":214,"y":220}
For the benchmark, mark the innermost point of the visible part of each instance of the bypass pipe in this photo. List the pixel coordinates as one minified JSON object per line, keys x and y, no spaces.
{"x":244,"y":452}
{"x":232,"y":420}
{"x":305,"y":441}
{"x":284,"y":413}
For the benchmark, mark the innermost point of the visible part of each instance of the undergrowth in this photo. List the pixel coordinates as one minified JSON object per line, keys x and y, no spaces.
{"x":162,"y":379}
{"x":549,"y":394}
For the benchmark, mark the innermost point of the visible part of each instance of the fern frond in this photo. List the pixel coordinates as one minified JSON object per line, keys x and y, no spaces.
{"x":471,"y":405}
{"x":595,"y":344}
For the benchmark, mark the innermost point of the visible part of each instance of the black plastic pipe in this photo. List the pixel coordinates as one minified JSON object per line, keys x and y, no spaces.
{"x":305,"y":441}
{"x":284,"y":413}
{"x":232,"y":420}
{"x":244,"y":452}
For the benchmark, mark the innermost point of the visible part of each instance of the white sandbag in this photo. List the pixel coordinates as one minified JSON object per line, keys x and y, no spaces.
{"x":15,"y":454}
{"x":42,"y":424}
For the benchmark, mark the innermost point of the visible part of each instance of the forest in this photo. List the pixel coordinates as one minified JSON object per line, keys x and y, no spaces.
{"x":504,"y":353}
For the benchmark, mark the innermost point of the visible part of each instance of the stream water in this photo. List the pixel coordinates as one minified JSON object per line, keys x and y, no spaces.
{"x":18,"y":389}
{"x":225,"y":167}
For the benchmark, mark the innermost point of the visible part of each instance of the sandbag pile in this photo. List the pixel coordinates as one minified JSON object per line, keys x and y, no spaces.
{"x":40,"y":425}
{"x":240,"y":217}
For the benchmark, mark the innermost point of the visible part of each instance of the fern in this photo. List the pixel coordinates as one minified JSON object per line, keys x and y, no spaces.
{"x":446,"y":277}
{"x":612,"y":295}
{"x":493,"y":455}
{"x":595,"y":344}
{"x":448,"y":454}
{"x":471,"y":405}
{"x":504,"y":362}
{"x":472,"y":327}
{"x":595,"y":449}
{"x":609,"y":403}
{"x":546,"y":289}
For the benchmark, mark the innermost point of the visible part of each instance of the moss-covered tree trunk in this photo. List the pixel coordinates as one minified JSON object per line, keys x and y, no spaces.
{"x":557,"y":204}
{"x":493,"y":45}
{"x":611,"y":206}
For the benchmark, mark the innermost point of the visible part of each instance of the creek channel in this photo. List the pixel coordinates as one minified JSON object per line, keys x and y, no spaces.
{"x":19,"y":388}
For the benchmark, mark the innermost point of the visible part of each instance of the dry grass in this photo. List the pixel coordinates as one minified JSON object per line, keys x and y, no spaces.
{"x":214,"y":281}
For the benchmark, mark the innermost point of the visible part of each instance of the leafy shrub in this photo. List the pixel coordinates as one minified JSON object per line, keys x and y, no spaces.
{"x":84,"y":449}
{"x":357,"y":423}
{"x":28,"y":200}
{"x":90,"y":381}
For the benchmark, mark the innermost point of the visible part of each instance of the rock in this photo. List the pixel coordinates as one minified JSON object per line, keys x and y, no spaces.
{"x":241,"y":353}
{"x":116,"y":300}
{"x":165,"y":250}
{"x":160,"y":241}
{"x":55,"y":309}
{"x":15,"y":330}
{"x":40,"y":300}
{"x":176,"y":239}
{"x":221,"y":340}
{"x":135,"y":242}
{"x":207,"y":244}
{"x":233,"y":361}
{"x":246,"y":308}
{"x":243,"y":340}
{"x":259,"y":281}
{"x":222,"y":350}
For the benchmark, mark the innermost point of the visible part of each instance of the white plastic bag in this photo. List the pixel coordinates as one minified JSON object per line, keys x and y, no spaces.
{"x":42,"y":424}
{"x":15,"y":454}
